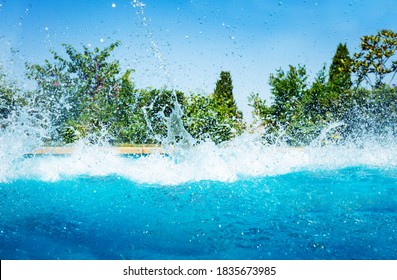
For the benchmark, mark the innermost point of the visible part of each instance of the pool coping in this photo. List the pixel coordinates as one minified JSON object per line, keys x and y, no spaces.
{"x":134,"y":150}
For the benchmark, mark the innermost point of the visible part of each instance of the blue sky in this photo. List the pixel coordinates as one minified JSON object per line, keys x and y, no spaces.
{"x":193,"y":40}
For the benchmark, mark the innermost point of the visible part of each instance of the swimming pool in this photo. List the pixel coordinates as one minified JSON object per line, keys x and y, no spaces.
{"x":316,"y":206}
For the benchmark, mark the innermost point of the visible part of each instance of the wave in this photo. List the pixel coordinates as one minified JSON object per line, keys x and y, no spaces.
{"x":244,"y":157}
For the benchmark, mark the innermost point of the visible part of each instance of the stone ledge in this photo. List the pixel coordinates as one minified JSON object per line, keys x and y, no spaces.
{"x":117,"y":150}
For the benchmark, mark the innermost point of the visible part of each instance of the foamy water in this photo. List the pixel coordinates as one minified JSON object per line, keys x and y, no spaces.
{"x":226,"y":202}
{"x":241,"y":158}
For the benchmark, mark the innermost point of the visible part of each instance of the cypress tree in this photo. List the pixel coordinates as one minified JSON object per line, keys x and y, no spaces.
{"x":340,"y":69}
{"x":223,"y":95}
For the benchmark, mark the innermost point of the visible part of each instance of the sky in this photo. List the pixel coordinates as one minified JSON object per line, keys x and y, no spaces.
{"x":185,"y":44}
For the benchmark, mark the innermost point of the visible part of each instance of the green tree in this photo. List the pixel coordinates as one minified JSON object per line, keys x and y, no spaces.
{"x":287,"y":89}
{"x":223,"y":96}
{"x":128,"y":124}
{"x":260,"y":110}
{"x":80,"y":91}
{"x":204,"y":120}
{"x":375,"y":60}
{"x":299,"y":111}
{"x":215,"y":116}
{"x":340,"y":69}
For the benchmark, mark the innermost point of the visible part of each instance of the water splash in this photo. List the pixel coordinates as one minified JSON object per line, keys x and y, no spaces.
{"x":244,"y":157}
{"x":177,"y":135}
{"x":328,"y":135}
{"x":21,"y":132}
{"x":138,"y":4}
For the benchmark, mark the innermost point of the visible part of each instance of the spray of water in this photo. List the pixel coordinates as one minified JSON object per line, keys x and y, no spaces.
{"x":177,"y":136}
{"x":242,"y":158}
{"x":20,"y":132}
{"x":245,"y":156}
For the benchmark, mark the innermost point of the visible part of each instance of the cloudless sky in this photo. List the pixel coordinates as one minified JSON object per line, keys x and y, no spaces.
{"x":185,"y":44}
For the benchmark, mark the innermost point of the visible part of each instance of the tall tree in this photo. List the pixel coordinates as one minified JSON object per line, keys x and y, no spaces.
{"x":340,"y":69}
{"x":223,"y":95}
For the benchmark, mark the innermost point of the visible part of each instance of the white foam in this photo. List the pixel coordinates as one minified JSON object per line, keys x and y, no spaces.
{"x":244,"y":157}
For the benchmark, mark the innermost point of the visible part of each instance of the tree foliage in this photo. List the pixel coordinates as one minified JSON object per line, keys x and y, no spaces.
{"x":216,"y":116}
{"x":340,"y":69}
{"x":375,"y":60}
{"x":84,"y":93}
{"x":287,"y":89}
{"x":300,"y":112}
{"x":223,"y":95}
{"x":79,"y":91}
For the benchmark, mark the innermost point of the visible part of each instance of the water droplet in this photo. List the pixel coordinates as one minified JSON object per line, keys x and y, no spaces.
{"x":46,"y":28}
{"x":136,"y":3}
{"x":89,"y":45}
{"x":101,"y":40}
{"x":280,"y":3}
{"x":113,"y":5}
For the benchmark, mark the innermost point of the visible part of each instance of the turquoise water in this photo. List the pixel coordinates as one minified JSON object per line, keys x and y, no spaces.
{"x":343,"y":213}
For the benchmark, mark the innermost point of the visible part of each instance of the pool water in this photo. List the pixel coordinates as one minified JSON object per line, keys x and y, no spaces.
{"x":342,"y":213}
